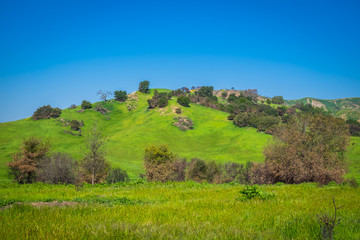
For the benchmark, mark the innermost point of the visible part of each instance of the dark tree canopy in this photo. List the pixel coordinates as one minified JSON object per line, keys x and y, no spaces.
{"x":86,"y":105}
{"x":278,"y":100}
{"x":120,"y":95}
{"x":205,"y":91}
{"x":46,"y":112}
{"x":184,"y":101}
{"x":144,"y":87}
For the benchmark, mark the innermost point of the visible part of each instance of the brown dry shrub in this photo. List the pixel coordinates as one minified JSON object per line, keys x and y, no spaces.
{"x":23,"y":166}
{"x":310,"y":148}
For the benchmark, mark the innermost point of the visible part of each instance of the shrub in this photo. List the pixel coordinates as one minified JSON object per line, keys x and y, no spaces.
{"x":197,"y":170}
{"x":214,"y":172}
{"x":144,"y":87}
{"x":163,"y":102}
{"x":75,"y":125}
{"x":278,"y":100}
{"x":224,"y":94}
{"x":178,"y":110}
{"x":310,"y":148}
{"x":179,"y":170}
{"x":23,"y":166}
{"x":72,"y":106}
{"x":158,"y":100}
{"x":120,"y":96}
{"x":205,"y":91}
{"x":117,"y":175}
{"x":184,"y":123}
{"x":253,"y":191}
{"x":235,"y":172}
{"x":59,"y":168}
{"x":46,"y":112}
{"x":159,"y":163}
{"x":231,"y":117}
{"x":85,"y":105}
{"x":184,"y":101}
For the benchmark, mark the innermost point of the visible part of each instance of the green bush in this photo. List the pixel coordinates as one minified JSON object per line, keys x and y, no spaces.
{"x":120,"y":96}
{"x":144,"y":87}
{"x":253,"y":191}
{"x":46,"y":112}
{"x":117,"y":175}
{"x":183,"y":101}
{"x":85,"y":105}
{"x":75,"y":125}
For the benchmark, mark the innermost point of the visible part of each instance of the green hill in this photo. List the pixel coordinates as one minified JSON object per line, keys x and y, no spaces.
{"x":344,"y":107}
{"x":129,"y":132}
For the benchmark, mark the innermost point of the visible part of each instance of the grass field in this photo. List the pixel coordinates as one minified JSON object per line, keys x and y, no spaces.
{"x":185,"y":210}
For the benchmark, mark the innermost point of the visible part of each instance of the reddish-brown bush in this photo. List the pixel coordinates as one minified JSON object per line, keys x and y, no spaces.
{"x":310,"y":148}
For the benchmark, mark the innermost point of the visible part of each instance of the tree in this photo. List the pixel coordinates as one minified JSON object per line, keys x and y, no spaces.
{"x":94,"y":162}
{"x":24,"y":163}
{"x":104,"y":94}
{"x":144,"y":87}
{"x":159,"y":163}
{"x":85,"y":105}
{"x":310,"y":148}
{"x":278,"y":100}
{"x":205,"y":91}
{"x":46,"y":112}
{"x":120,"y":96}
{"x":59,"y":168}
{"x":183,"y":101}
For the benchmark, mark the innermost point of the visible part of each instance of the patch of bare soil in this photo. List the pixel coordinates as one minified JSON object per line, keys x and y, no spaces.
{"x":44,"y":204}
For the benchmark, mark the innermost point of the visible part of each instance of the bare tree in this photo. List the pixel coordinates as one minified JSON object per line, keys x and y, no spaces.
{"x":104,"y":94}
{"x":94,"y":162}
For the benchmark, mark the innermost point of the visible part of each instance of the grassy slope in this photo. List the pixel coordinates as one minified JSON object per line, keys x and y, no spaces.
{"x":213,"y":137}
{"x":177,"y":211}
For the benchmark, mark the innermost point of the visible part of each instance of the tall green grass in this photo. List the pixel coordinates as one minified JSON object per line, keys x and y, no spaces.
{"x":186,"y":210}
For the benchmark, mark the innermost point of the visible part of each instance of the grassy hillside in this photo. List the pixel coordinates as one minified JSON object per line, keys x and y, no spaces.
{"x":344,"y":107}
{"x":129,"y":132}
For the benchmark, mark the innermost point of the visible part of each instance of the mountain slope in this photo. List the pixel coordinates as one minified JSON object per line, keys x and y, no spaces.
{"x":344,"y":107}
{"x":129,"y":132}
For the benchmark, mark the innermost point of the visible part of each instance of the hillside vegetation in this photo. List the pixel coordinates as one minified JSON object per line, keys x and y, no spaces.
{"x":129,"y":132}
{"x":345,"y":107}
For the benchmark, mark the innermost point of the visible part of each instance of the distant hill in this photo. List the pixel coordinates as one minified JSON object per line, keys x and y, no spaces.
{"x":344,"y":107}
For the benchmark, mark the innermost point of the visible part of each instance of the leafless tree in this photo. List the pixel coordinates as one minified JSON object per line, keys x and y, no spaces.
{"x":104,"y":94}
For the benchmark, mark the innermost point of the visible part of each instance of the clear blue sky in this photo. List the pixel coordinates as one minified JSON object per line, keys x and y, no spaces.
{"x":61,"y":52}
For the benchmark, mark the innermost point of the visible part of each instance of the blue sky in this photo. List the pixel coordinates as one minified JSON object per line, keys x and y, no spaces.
{"x":61,"y":52}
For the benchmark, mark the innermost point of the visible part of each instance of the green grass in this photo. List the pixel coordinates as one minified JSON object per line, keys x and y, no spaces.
{"x":129,"y":132}
{"x":186,"y":210}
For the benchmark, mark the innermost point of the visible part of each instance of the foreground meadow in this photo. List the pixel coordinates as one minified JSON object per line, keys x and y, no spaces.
{"x":185,"y":210}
